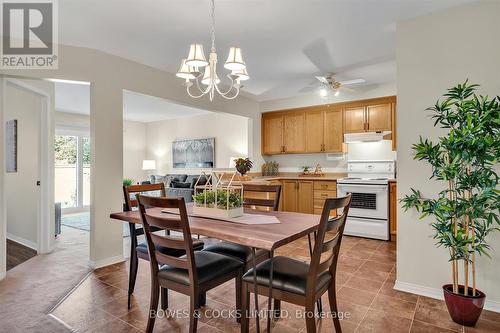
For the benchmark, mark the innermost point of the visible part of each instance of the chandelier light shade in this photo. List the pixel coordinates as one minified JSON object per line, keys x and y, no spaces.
{"x":198,"y":86}
{"x":196,"y":56}
{"x":235,"y":61}
{"x":185,"y":71}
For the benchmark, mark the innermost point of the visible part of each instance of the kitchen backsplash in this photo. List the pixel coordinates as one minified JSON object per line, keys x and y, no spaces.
{"x":381,"y":150}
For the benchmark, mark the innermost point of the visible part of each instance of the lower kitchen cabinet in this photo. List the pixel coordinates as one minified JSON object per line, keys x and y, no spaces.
{"x":307,"y":196}
{"x":393,"y":207}
{"x":298,"y":196}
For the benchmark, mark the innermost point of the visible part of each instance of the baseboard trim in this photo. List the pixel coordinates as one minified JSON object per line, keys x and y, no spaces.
{"x":437,"y":294}
{"x":3,"y":275}
{"x":106,"y":262}
{"x":23,"y":241}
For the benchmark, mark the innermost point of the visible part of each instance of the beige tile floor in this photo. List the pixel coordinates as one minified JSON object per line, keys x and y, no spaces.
{"x":366,"y":275}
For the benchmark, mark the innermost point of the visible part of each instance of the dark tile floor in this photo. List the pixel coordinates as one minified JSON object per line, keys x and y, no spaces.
{"x":366,"y":275}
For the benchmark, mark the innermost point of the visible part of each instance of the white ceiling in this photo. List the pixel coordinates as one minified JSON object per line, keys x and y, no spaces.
{"x":75,"y":98}
{"x":284,"y":42}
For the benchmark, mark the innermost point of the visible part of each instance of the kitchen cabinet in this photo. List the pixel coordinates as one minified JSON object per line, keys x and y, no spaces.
{"x":321,"y":128}
{"x":272,"y":138}
{"x":354,"y":119}
{"x":314,"y":131}
{"x":294,"y":138}
{"x":369,"y":118}
{"x":298,"y":196}
{"x":333,"y":130}
{"x":379,"y":117}
{"x":393,"y":207}
{"x":393,"y":124}
{"x":324,"y":190}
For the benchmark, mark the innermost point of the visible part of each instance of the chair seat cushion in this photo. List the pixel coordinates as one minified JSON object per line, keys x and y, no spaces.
{"x":143,"y":248}
{"x":209,"y":266}
{"x":288,"y":275}
{"x":240,"y":252}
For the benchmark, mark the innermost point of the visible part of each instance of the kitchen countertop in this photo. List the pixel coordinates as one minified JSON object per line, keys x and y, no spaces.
{"x":295,"y":176}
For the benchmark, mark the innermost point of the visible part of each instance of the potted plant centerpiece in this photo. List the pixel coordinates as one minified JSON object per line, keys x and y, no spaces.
{"x":466,"y":211}
{"x":220,"y":197}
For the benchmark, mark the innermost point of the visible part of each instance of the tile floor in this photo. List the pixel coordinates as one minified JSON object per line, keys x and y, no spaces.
{"x":366,"y":274}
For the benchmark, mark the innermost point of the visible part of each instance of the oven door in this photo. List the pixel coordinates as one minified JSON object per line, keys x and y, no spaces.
{"x":368,"y":201}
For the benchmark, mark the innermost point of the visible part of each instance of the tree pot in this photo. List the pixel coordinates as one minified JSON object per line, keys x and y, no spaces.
{"x":464,"y":310}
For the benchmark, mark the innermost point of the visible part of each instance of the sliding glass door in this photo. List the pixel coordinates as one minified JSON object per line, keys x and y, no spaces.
{"x":72,"y":171}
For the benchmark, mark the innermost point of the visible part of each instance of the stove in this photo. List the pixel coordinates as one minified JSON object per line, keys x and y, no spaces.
{"x":367,"y":181}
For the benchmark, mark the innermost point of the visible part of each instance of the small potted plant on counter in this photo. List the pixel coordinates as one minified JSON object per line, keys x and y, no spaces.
{"x":243,"y":165}
{"x":467,"y":210}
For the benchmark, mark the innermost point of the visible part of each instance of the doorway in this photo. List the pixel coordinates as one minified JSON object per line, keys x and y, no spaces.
{"x":27,"y":186}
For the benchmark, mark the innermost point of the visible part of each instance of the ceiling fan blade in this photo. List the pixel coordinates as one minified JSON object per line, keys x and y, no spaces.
{"x":348,"y":89}
{"x":322,"y":79}
{"x":308,"y":89}
{"x":355,"y":81}
{"x":318,"y":53}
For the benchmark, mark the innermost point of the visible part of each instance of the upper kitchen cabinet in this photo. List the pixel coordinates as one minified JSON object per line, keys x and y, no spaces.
{"x":272,"y":134}
{"x":333,"y":131}
{"x":379,"y":117}
{"x":321,"y":128}
{"x":294,"y":138}
{"x":355,"y":119}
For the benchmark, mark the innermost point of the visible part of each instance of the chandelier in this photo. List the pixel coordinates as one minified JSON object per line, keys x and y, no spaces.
{"x":208,"y":83}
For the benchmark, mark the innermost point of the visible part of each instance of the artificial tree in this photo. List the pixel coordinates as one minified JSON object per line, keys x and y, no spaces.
{"x":467,"y":211}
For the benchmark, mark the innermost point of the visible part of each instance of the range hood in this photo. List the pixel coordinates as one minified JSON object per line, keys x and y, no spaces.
{"x":365,"y":137}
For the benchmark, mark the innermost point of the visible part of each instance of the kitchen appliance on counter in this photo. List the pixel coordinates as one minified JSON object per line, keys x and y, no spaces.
{"x":368,"y":181}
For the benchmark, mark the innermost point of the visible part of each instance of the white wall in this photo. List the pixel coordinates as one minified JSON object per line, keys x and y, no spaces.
{"x":134,"y":150}
{"x":23,"y":194}
{"x":434,"y":53}
{"x":381,"y":150}
{"x":230,"y":132}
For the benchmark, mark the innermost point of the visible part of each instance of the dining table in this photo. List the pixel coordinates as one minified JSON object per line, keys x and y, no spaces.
{"x":292,"y":226}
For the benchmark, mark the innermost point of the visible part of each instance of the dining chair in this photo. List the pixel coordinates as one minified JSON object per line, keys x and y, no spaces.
{"x":192,"y":274}
{"x":302,"y":283}
{"x":241,"y":252}
{"x":140,"y":250}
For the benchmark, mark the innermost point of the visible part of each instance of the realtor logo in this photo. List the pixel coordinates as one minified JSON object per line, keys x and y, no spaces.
{"x":29,"y":34}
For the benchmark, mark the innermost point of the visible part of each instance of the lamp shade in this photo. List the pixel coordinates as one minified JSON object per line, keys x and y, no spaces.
{"x":185,"y":71}
{"x":196,"y":57}
{"x":148,"y":164}
{"x":235,"y":61}
{"x":207,"y":77}
{"x":242,"y":74}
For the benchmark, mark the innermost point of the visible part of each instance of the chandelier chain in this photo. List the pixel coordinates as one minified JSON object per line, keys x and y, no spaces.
{"x":213,"y":26}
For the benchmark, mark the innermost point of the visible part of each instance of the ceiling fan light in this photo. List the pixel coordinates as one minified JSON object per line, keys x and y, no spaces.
{"x":323,"y":92}
{"x":336,"y":93}
{"x":185,"y":71}
{"x":207,"y":77}
{"x":196,"y":56}
{"x":241,"y":74}
{"x":235,"y":61}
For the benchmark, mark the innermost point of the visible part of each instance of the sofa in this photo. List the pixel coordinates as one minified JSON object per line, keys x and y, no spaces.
{"x":178,"y":185}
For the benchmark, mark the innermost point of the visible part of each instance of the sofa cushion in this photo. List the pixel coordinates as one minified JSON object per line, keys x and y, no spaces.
{"x":202,"y":181}
{"x":181,"y":185}
{"x":177,"y":178}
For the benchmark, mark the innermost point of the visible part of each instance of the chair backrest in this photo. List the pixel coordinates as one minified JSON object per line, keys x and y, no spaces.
{"x":273,"y":191}
{"x":167,"y":222}
{"x":128,"y":191}
{"x":326,"y":250}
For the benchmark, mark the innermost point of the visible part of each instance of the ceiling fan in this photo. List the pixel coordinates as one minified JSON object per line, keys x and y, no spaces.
{"x":330,"y":84}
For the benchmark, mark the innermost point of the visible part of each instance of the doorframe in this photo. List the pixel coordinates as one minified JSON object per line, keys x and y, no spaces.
{"x":45,"y":234}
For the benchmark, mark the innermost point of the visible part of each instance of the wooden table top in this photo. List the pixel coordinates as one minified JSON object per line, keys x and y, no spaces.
{"x":264,"y":236}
